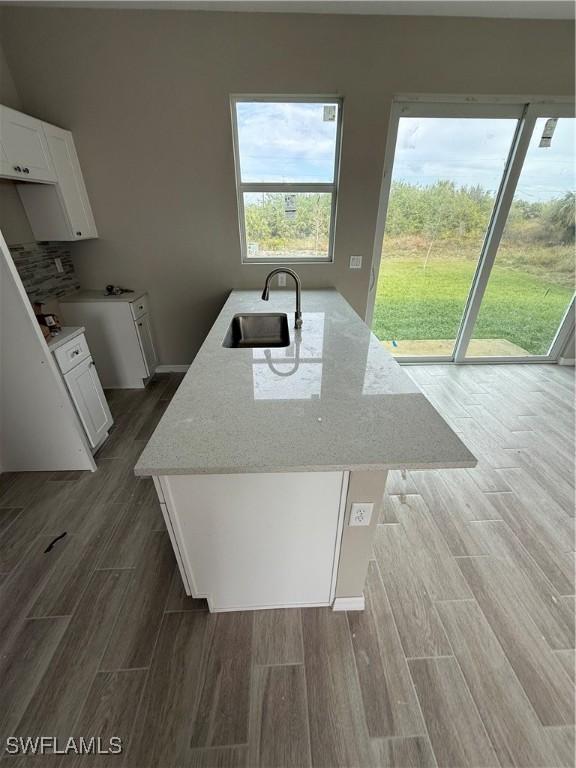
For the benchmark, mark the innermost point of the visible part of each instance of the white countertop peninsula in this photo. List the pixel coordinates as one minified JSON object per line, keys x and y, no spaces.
{"x":261,"y":453}
{"x":334,"y":399}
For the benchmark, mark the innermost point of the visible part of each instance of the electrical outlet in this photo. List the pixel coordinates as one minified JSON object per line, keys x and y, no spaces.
{"x":282,"y":280}
{"x":355,"y":262}
{"x":58,"y":264}
{"x":361,"y":513}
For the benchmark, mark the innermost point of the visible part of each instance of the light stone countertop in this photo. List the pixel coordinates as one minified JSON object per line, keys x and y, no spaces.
{"x":335,"y":399}
{"x":99,"y":295}
{"x":67,"y":333}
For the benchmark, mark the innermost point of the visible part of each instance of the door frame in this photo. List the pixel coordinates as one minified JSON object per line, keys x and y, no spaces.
{"x":526,"y":110}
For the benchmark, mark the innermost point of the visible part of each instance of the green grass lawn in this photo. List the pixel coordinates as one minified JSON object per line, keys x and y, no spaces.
{"x":417,"y":303}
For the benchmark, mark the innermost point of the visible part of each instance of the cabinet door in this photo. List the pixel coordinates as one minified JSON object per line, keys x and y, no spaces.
{"x":88,"y":397}
{"x":24,"y":152}
{"x":70,"y":182}
{"x":147,"y":343}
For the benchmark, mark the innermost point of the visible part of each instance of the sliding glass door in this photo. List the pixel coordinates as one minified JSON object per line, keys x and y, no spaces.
{"x":477,"y":225}
{"x":532,"y":280}
{"x":447,"y":171}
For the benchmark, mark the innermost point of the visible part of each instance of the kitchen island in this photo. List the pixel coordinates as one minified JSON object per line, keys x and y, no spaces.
{"x":262,"y":453}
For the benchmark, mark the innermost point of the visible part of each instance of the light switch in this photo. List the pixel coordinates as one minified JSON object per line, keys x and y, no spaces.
{"x":361,"y":513}
{"x":355,"y":262}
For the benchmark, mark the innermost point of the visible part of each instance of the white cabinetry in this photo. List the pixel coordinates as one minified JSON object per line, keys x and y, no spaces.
{"x":89,"y":400}
{"x":118,"y":330}
{"x":24,"y":153}
{"x":252,"y":541}
{"x":144,"y":332}
{"x":81,"y":377}
{"x":60,"y":211}
{"x":31,"y":151}
{"x":39,"y":427}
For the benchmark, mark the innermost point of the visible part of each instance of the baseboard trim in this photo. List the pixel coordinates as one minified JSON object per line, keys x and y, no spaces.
{"x":172,"y":368}
{"x":349,"y":604}
{"x":566,"y":361}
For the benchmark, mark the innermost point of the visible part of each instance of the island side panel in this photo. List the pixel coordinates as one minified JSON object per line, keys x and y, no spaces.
{"x":172,"y":534}
{"x":252,"y":541}
{"x":356,"y":544}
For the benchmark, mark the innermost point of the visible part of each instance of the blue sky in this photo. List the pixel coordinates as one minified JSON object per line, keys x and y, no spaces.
{"x":470,"y":151}
{"x":285,"y":142}
{"x":291,"y":142}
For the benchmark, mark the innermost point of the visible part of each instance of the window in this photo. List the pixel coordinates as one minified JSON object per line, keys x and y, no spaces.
{"x":286,"y":156}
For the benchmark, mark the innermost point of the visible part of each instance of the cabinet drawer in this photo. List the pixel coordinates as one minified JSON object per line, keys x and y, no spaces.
{"x":139,"y":307}
{"x":72,"y":353}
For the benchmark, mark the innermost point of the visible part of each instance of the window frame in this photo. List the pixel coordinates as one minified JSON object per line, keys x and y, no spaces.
{"x":242,"y":187}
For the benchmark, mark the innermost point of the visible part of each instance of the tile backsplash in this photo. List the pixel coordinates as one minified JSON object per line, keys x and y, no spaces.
{"x":37,"y":270}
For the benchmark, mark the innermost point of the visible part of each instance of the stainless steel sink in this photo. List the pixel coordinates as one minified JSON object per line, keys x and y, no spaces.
{"x":258,"y":330}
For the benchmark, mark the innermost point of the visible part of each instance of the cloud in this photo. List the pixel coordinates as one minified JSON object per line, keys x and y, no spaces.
{"x":470,"y":151}
{"x":290,"y":142}
{"x":285,"y":142}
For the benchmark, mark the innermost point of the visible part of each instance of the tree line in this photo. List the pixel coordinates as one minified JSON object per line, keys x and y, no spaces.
{"x":444,"y":211}
{"x":440,"y":211}
{"x":272,"y":222}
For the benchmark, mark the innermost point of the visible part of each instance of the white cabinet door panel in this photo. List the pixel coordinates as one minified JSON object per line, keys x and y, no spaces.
{"x":147,"y":343}
{"x":59,"y":211}
{"x":24,"y":147}
{"x":88,"y":397}
{"x":257,"y":540}
{"x":70,"y":181}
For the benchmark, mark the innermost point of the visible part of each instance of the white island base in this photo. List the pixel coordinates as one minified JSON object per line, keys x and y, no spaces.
{"x":273,"y":540}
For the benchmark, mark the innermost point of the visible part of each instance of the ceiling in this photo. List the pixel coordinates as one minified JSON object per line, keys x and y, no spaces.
{"x":505,"y":9}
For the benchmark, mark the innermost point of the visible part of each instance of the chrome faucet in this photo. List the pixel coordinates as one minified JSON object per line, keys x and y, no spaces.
{"x":266,"y":291}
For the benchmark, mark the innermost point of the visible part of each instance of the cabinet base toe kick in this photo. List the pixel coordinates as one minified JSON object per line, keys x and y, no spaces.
{"x":273,"y":540}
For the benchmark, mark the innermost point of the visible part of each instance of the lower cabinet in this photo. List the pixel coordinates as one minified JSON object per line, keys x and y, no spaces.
{"x":89,"y":399}
{"x":119,"y":332}
{"x":74,"y":359}
{"x":146,"y":342}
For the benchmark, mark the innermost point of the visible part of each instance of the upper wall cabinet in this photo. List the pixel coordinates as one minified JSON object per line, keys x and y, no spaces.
{"x":24,"y":153}
{"x":57,"y":205}
{"x":60,"y":211}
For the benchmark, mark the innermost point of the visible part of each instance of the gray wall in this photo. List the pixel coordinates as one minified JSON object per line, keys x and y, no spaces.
{"x":146,"y":96}
{"x":13,"y":221}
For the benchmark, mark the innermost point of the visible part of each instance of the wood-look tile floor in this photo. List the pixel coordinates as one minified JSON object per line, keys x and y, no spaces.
{"x":463,"y":657}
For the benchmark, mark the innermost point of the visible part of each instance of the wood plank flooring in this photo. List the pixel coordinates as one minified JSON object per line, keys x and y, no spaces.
{"x":464,"y":655}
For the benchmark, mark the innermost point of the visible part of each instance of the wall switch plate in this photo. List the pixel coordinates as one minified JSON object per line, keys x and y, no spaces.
{"x":58,"y":264}
{"x":361,"y":513}
{"x":355,"y":262}
{"x":282,"y":280}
